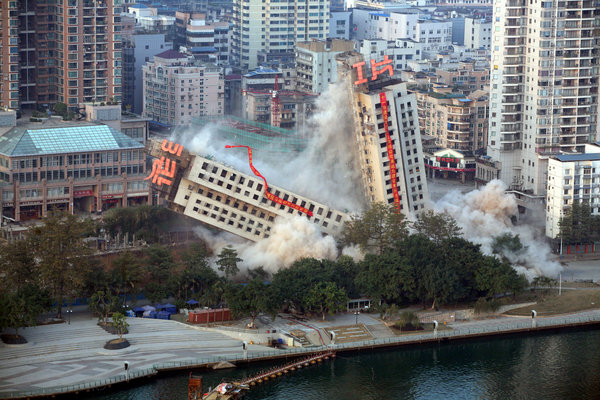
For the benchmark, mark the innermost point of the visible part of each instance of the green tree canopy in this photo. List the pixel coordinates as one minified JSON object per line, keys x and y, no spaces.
{"x":376,"y":229}
{"x":436,"y":226}
{"x":250,"y":299}
{"x":579,"y":226}
{"x":61,"y":254}
{"x":228,"y":260}
{"x":326,"y":297}
{"x":159,"y":263}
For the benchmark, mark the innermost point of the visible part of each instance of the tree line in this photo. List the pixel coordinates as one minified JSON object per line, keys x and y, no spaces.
{"x":426,"y":261}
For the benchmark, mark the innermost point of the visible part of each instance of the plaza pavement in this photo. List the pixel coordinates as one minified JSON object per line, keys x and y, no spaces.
{"x":66,"y":354}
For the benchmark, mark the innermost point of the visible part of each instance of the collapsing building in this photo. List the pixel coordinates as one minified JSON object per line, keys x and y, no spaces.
{"x":225,"y":198}
{"x":386,"y":129}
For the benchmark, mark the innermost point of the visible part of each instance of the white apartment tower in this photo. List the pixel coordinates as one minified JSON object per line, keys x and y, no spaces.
{"x":267,"y":30}
{"x":544,"y":85}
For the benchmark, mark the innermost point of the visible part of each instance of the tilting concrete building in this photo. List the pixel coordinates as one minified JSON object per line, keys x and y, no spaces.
{"x":388,"y":140}
{"x":225,"y":198}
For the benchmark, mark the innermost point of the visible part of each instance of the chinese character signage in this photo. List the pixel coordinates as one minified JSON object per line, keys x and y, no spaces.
{"x":448,"y":159}
{"x":268,"y":194}
{"x":390,"y":150}
{"x":163,"y":169}
{"x":377,"y":68}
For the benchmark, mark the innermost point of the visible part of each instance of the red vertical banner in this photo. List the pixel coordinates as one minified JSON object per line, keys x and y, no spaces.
{"x":390,"y":150}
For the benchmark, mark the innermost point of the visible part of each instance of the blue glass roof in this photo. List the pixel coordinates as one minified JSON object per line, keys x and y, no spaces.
{"x":579,"y":157}
{"x":24,"y":142}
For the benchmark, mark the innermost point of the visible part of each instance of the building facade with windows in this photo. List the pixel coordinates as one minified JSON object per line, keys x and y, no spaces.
{"x":177,"y":88}
{"x":84,"y":168}
{"x":269,"y":30}
{"x":544,"y":86}
{"x":388,"y":139}
{"x":316,"y":67}
{"x":69,"y":53}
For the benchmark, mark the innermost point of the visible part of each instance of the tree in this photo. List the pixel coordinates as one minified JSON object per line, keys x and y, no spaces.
{"x":250,"y":299}
{"x":198,"y":276}
{"x":326,"y":297}
{"x":21,"y":307}
{"x":378,"y":228}
{"x":228,"y":260}
{"x":61,"y":254}
{"x":126,"y":273}
{"x":441,"y":284}
{"x":119,"y":322}
{"x":103,"y":303}
{"x":160,"y":263}
{"x":258,"y":273}
{"x":508,"y":244}
{"x":579,"y":226}
{"x":436,"y":226}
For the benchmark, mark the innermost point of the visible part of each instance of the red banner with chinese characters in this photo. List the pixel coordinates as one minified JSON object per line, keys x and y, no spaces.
{"x":390,"y":150}
{"x":269,"y":195}
{"x":165,"y":166}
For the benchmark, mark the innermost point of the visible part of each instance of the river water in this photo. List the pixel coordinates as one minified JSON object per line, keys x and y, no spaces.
{"x":549,"y":366}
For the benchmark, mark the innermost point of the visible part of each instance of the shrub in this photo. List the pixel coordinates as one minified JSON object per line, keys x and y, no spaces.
{"x":484,"y":306}
{"x":409,"y":321}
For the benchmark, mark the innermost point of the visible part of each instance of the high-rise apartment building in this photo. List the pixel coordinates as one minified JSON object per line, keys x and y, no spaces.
{"x":178,"y":88}
{"x":315,"y":63}
{"x":67,"y":51}
{"x":267,"y":31}
{"x":544,"y":85}
{"x":388,"y":141}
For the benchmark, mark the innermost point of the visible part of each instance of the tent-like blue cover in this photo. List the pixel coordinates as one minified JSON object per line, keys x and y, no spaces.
{"x":170,"y":308}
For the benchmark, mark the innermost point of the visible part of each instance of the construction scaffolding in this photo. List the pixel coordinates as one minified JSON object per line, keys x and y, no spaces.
{"x":256,"y":135}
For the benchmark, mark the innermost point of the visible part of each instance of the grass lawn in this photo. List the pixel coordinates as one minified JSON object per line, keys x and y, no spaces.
{"x":568,"y":302}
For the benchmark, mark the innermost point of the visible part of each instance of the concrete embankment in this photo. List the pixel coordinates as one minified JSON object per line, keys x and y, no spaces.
{"x":213,"y":347}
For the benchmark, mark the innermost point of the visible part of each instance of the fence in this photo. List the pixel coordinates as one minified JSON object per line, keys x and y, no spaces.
{"x":507,"y":327}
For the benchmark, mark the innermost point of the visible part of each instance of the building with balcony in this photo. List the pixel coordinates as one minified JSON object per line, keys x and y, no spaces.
{"x":403,"y":52}
{"x":177,"y":88}
{"x":465,"y":77}
{"x":267,"y":31}
{"x":69,"y":54}
{"x":83,"y":168}
{"x":544,"y":86}
{"x":572,"y":178}
{"x":207,"y":41}
{"x":455,"y":121}
{"x":316,"y":67}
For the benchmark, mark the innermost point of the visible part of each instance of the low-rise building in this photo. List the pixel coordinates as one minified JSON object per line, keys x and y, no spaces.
{"x":572,"y":178}
{"x":77,"y":168}
{"x":450,"y":164}
{"x":478,"y":33}
{"x":401,"y":51}
{"x":466,"y":77}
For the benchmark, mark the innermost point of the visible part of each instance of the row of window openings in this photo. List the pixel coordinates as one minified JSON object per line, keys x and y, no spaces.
{"x":259,"y":187}
{"x":53,"y":161}
{"x":76,"y":174}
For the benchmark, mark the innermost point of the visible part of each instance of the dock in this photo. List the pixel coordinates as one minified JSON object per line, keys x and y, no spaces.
{"x":236,"y":390}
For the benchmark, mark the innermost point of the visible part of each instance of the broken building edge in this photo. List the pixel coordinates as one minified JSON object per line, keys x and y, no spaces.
{"x":225,"y":198}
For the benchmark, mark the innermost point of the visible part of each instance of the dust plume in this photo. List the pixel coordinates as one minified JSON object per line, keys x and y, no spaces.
{"x":487,"y":212}
{"x":292,"y":237}
{"x":326,"y":171}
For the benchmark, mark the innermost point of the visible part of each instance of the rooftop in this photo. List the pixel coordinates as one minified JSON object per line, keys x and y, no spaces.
{"x":171,"y":55}
{"x":74,"y":139}
{"x":578,"y":157}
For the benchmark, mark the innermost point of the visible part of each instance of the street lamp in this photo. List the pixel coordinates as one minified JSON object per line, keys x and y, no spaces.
{"x":69,"y":311}
{"x":356,"y":313}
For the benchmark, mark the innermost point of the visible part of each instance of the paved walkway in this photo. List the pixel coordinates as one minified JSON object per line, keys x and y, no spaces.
{"x":64,"y":354}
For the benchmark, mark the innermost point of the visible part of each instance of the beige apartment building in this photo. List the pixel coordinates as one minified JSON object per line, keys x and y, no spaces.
{"x":69,"y":53}
{"x":177,"y":88}
{"x":220,"y":196}
{"x":455,"y":121}
{"x":388,"y":144}
{"x":466,"y":77}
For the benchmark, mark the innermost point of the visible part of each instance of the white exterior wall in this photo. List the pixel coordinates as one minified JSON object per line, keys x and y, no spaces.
{"x":478,"y":33}
{"x":146,"y":47}
{"x":544,"y":86}
{"x":567,"y":184}
{"x":436,"y":36}
{"x":403,"y":52}
{"x":181,"y":92}
{"x":339,"y":25}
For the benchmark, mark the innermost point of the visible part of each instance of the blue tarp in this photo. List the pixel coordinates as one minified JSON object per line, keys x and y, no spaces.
{"x":163,"y":315}
{"x":191,"y":302}
{"x":170,"y":308}
{"x":159,"y":307}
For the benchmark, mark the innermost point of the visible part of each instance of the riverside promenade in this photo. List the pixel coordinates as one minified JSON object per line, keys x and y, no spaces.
{"x":70,"y":358}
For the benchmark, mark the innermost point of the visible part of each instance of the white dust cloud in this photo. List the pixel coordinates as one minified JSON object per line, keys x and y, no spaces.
{"x":326,"y":171}
{"x":292,"y":237}
{"x":485,"y":213}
